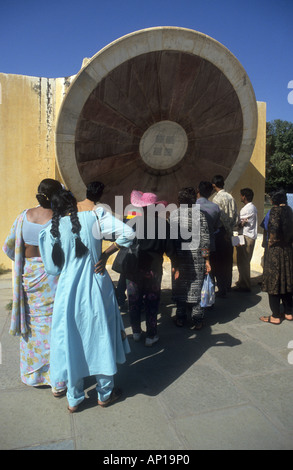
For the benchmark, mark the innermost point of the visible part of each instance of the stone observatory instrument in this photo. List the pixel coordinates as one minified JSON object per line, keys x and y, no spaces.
{"x":156,"y":110}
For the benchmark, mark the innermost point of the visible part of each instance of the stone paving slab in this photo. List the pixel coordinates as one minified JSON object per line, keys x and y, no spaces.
{"x":235,"y":428}
{"x":228,"y":386}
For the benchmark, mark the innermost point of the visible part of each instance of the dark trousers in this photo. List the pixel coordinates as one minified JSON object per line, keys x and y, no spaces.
{"x":194,"y":310}
{"x":145,"y":292}
{"x":222,"y":261}
{"x":275,"y":304}
{"x":120,"y":290}
{"x":244,"y":255}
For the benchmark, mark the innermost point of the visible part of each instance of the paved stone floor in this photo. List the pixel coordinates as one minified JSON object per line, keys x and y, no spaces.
{"x":228,"y":386}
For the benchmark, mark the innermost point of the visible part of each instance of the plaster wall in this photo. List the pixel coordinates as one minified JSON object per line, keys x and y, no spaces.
{"x":254,"y":175}
{"x":28,"y":111}
{"x":254,"y":178}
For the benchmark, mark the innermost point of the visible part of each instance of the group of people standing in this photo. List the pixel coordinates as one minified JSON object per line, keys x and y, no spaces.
{"x":64,"y":302}
{"x":224,"y":221}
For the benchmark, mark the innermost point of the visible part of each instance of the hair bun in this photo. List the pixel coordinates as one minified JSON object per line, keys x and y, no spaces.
{"x":43,"y":195}
{"x":43,"y":200}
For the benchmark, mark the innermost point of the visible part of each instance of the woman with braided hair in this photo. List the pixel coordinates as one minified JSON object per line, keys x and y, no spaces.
{"x":33,"y":289}
{"x":88,"y":337}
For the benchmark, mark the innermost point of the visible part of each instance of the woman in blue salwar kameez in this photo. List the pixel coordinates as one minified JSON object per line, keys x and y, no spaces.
{"x":88,"y":336}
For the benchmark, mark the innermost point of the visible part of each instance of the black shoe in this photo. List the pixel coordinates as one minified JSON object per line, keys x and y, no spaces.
{"x":240,"y":289}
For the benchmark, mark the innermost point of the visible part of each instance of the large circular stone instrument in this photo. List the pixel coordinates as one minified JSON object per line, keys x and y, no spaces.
{"x":157,"y":110}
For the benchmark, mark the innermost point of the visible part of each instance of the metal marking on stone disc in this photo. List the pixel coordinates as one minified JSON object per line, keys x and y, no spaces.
{"x":163,"y":145}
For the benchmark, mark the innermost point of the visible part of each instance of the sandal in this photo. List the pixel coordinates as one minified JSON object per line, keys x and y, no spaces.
{"x":269,"y":320}
{"x":179,"y":322}
{"x":72,"y":409}
{"x":115,"y":395}
{"x":197,"y":325}
{"x":288,"y":319}
{"x":60,"y":394}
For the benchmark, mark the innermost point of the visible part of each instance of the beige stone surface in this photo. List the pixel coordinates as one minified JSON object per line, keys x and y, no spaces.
{"x":254,"y":175}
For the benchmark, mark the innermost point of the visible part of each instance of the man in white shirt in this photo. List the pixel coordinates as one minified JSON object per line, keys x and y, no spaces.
{"x":223,"y":258}
{"x":247,"y":228}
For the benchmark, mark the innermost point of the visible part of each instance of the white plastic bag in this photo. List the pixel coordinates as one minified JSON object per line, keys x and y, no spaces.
{"x":207,"y":292}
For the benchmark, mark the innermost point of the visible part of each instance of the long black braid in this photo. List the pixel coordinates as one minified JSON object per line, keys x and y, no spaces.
{"x":57,"y":252}
{"x":64,"y":203}
{"x":80,"y":248}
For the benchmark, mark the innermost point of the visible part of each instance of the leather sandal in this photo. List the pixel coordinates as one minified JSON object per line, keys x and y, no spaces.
{"x":115,"y":395}
{"x":60,"y":394}
{"x":269,"y":320}
{"x":286,"y":317}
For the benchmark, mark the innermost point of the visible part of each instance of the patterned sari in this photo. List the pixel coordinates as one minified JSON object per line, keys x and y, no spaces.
{"x":33,"y":299}
{"x":278,"y":266}
{"x":39,"y":291}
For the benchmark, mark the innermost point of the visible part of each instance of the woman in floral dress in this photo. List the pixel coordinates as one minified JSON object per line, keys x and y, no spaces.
{"x":33,"y":289}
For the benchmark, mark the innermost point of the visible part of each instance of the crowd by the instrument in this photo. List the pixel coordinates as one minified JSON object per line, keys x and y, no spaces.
{"x":65,"y":306}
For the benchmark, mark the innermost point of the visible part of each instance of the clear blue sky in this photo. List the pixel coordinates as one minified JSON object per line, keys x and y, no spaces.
{"x":50,"y":38}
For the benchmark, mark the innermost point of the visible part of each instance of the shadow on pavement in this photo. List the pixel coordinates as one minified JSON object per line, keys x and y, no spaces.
{"x":150,"y":370}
